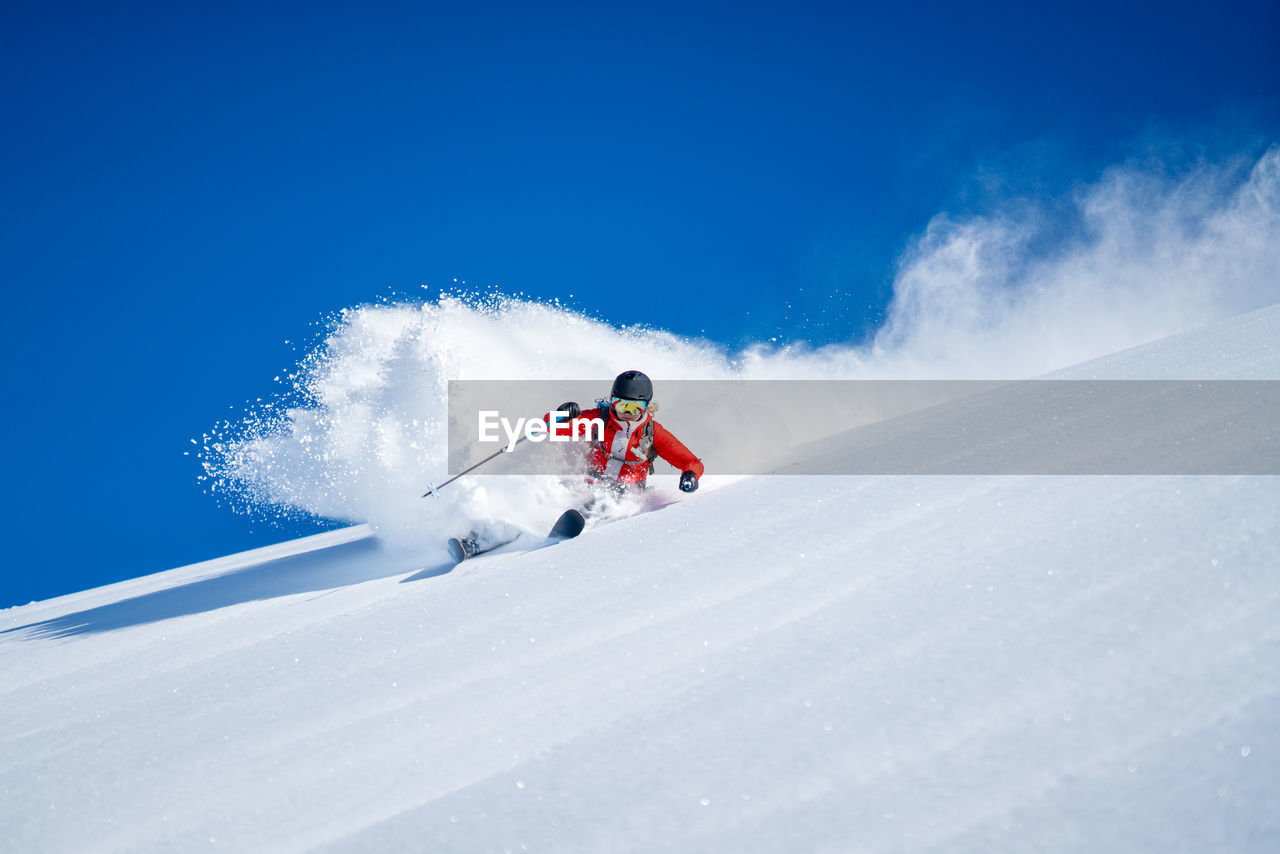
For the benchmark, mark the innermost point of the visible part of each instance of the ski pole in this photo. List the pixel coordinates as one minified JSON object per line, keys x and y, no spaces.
{"x":435,"y":490}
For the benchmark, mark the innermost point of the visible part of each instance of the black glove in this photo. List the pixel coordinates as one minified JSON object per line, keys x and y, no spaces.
{"x":570,"y":407}
{"x":688,"y":482}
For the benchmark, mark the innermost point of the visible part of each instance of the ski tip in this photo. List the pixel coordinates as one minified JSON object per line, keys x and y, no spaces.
{"x":570,"y":524}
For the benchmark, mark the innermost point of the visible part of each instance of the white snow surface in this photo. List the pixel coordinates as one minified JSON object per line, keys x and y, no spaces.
{"x":773,"y":664}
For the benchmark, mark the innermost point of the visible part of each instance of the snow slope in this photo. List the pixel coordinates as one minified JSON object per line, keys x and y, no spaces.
{"x":857,"y":663}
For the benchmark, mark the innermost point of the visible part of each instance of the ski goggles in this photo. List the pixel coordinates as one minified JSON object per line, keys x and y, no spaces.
{"x":623,"y":406}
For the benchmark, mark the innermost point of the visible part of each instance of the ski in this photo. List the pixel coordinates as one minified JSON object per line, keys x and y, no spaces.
{"x":568,"y":526}
{"x":462,"y":548}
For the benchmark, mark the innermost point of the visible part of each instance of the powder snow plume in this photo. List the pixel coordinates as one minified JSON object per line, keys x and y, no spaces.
{"x":1151,"y":253}
{"x":364,"y":429}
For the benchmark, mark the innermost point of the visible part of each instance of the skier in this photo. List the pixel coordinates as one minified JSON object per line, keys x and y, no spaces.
{"x":622,"y":462}
{"x":632,"y":437}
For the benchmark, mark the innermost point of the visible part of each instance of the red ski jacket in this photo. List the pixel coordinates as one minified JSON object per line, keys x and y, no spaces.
{"x":629,"y":463}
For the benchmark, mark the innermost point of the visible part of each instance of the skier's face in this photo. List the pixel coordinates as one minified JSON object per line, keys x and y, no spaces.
{"x":629,"y":410}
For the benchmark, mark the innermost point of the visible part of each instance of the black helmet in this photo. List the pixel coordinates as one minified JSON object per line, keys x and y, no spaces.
{"x":632,"y":385}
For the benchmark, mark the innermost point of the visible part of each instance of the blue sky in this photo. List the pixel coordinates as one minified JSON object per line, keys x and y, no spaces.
{"x":187,"y":187}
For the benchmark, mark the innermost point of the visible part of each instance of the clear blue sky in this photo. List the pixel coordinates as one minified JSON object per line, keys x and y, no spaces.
{"x":186,"y":187}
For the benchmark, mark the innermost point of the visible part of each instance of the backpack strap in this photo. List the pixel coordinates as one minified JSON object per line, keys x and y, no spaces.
{"x":645,"y":445}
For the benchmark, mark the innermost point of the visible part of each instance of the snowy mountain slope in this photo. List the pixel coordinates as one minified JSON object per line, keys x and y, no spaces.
{"x":1238,"y":348}
{"x":949,"y":663}
{"x":1066,"y":427}
{"x":1076,"y":421}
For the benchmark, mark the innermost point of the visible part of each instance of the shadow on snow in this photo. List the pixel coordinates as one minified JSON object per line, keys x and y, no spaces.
{"x":323,"y":570}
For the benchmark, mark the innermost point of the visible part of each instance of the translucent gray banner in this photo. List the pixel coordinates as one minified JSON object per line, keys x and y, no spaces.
{"x":901,"y":426}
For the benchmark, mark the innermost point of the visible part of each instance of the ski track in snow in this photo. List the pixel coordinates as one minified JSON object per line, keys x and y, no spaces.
{"x":947,"y":663}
